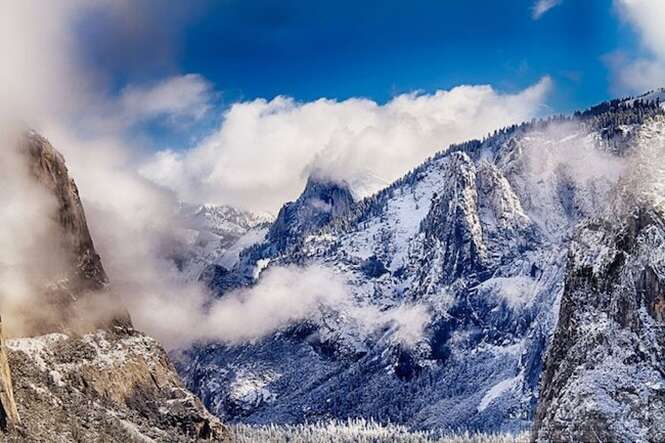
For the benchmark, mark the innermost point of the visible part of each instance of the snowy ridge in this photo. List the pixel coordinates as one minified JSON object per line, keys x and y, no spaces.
{"x":215,"y":236}
{"x":478,"y":236}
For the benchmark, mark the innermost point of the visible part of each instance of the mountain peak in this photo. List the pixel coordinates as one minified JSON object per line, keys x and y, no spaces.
{"x":322,"y":201}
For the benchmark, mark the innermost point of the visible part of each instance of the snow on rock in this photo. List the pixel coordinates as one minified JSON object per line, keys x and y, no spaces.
{"x":497,"y":391}
{"x":104,"y":386}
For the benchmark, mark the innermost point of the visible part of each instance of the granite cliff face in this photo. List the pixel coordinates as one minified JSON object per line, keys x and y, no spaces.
{"x":47,"y":167}
{"x":604,"y":377}
{"x":83,"y":377}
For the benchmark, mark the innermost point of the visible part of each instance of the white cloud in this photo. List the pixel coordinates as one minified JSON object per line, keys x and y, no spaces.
{"x":543,"y":6}
{"x":179,"y":97}
{"x":264,"y":150}
{"x":647,"y":71}
{"x":282,"y":297}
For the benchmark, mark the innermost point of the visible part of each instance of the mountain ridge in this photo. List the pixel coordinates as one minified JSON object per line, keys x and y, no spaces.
{"x":478,"y":234}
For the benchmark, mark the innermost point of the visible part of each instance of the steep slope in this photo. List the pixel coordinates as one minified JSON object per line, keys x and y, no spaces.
{"x":477,"y":236}
{"x":84,"y":373}
{"x":604,"y":377}
{"x":214,"y":236}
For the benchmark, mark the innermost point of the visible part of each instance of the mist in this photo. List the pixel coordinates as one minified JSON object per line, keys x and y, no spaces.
{"x":29,"y":255}
{"x":283,"y":296}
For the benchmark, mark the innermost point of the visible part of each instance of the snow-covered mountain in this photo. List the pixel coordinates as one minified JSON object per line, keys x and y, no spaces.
{"x":477,"y":237}
{"x":213,"y":237}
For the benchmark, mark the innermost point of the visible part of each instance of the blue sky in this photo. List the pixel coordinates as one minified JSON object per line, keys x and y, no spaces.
{"x":377,"y":49}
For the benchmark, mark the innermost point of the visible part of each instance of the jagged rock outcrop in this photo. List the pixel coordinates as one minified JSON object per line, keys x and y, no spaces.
{"x":452,"y":228}
{"x":86,"y":375}
{"x":604,"y":378}
{"x":321,"y":201}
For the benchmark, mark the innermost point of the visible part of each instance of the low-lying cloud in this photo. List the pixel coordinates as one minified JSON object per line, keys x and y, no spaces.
{"x":282,"y":297}
{"x":264,"y":150}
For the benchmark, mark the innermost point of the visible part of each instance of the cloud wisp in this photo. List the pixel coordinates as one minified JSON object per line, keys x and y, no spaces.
{"x":541,"y":7}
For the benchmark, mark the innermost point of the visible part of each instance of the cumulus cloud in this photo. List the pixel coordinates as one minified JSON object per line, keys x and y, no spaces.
{"x":178,"y":97}
{"x":283,"y":296}
{"x":541,"y":7}
{"x":636,"y":74}
{"x":264,"y":150}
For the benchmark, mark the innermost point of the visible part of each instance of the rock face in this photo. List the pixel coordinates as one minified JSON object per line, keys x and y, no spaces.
{"x":81,"y":271}
{"x":112,"y":383}
{"x":321,"y":201}
{"x":109,"y":385}
{"x":48,"y":167}
{"x":604,"y":378}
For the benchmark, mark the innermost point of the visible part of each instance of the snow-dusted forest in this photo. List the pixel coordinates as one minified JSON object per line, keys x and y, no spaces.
{"x":359,"y":431}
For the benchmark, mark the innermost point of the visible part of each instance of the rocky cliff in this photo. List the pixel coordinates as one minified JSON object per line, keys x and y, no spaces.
{"x":9,"y":417}
{"x":604,"y":377}
{"x":84,"y":375}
